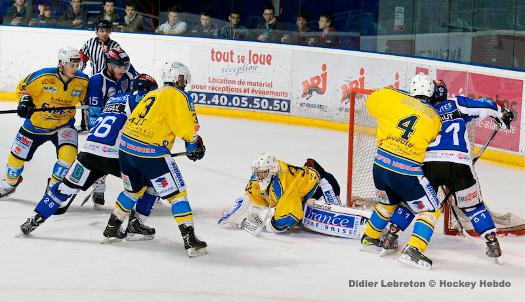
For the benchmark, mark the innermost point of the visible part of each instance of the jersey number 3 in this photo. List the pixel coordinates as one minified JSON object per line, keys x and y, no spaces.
{"x":407,"y":125}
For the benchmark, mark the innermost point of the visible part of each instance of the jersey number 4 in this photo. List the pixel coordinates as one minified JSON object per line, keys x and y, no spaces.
{"x":407,"y":125}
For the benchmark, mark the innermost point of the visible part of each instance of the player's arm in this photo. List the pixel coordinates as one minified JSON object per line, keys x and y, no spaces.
{"x":28,"y":90}
{"x":253,"y":191}
{"x":373,"y":102}
{"x":94,"y":100}
{"x":84,"y":55}
{"x":480,"y":108}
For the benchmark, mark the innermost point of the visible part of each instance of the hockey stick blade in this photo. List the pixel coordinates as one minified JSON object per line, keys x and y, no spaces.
{"x":48,"y":109}
{"x":86,"y":199}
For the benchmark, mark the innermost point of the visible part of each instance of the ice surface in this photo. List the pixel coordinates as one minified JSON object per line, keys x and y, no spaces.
{"x":63,"y":260}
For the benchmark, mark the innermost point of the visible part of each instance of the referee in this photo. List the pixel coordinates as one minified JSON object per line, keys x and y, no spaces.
{"x":93,"y":51}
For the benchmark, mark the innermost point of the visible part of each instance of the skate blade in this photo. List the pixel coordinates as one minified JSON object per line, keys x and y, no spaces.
{"x":421,"y":264}
{"x":370,"y":249}
{"x":110,"y":240}
{"x":192,"y":252}
{"x":139,"y":237}
{"x":385,"y":252}
{"x":98,"y":207}
{"x":498,"y":260}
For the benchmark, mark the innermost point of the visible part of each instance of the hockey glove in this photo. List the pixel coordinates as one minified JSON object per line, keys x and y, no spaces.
{"x":506,"y":118}
{"x":195,"y":150}
{"x":312,"y":163}
{"x":26,"y":107}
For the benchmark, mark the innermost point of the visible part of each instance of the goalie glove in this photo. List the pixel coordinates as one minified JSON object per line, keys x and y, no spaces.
{"x":26,"y":107}
{"x":195,"y":150}
{"x":258,"y":219}
{"x":506,"y":118}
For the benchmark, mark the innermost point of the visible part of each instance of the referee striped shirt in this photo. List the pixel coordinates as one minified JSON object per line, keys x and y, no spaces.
{"x":92,"y":51}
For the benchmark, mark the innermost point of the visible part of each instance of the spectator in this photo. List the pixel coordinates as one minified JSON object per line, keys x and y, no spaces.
{"x":327,"y":38}
{"x":16,"y":13}
{"x":75,"y":15}
{"x":206,"y":28}
{"x":109,"y":13}
{"x":173,"y":26}
{"x":233,"y":30}
{"x":302,"y":34}
{"x":266,"y":28}
{"x":133,"y":22}
{"x":46,"y":18}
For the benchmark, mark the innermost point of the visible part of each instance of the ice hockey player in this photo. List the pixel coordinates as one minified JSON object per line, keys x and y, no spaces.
{"x":406,"y":125}
{"x":115,"y":78}
{"x":145,"y":159}
{"x":54,"y":87}
{"x":99,"y":157}
{"x":448,"y":163}
{"x":275,"y":195}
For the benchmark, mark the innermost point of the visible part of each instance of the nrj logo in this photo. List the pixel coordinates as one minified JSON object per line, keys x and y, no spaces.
{"x":315,"y":84}
{"x":359,"y":83}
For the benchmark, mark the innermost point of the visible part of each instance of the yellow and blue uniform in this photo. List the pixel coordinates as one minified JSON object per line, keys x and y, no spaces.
{"x":47,"y":89}
{"x":405,"y":128}
{"x":147,"y":138}
{"x":289,"y":189}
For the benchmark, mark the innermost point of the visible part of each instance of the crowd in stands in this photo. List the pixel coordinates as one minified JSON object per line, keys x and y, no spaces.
{"x":74,"y":14}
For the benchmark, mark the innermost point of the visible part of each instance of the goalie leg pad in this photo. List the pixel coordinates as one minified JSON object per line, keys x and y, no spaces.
{"x":237,"y":213}
{"x":379,"y":219}
{"x":402,"y":217}
{"x":480,"y":219}
{"x":423,"y":229}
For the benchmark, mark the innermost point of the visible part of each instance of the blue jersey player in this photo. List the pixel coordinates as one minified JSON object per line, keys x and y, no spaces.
{"x":98,"y":157}
{"x":115,"y":78}
{"x":448,"y":163}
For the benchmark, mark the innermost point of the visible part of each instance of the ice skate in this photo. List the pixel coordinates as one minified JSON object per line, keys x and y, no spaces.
{"x":369,"y":244}
{"x":7,"y":189}
{"x":389,"y":243}
{"x":493,"y":247}
{"x":113,"y":232}
{"x":413,"y":257}
{"x":194,"y":247}
{"x":137,"y":230}
{"x":31,"y":224}
{"x":98,"y":200}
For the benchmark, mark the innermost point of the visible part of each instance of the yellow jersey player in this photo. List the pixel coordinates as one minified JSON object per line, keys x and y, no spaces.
{"x":274,"y":196}
{"x":406,"y":125}
{"x":147,"y":138}
{"x":56,"y":87}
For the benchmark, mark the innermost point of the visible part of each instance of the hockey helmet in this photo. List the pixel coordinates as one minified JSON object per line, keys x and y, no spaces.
{"x":264,"y":168}
{"x":68,"y":55}
{"x":440,"y":92}
{"x":144,"y":82}
{"x":117,"y":56}
{"x":172,"y":70}
{"x":421,"y":84}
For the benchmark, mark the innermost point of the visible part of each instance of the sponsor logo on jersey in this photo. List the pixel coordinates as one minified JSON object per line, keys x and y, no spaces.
{"x":48,"y":81}
{"x":162,"y":181}
{"x":17,"y":150}
{"x":76,"y":92}
{"x":124,"y":85}
{"x":51,"y":89}
{"x":78,"y":171}
{"x":468,"y":197}
{"x":24,"y":140}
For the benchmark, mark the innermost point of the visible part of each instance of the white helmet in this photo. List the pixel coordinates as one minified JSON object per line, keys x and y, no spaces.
{"x":264,"y":167}
{"x":68,"y":55}
{"x":172,"y":70}
{"x":421,"y":84}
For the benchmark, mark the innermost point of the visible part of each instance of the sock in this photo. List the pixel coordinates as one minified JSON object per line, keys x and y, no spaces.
{"x":481,"y":219}
{"x":379,"y":219}
{"x":423,"y":229}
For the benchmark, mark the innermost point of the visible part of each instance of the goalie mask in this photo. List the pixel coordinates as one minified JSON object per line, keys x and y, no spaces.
{"x":264,"y":168}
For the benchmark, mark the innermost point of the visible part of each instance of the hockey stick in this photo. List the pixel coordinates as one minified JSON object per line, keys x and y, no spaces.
{"x":93,"y":191}
{"x":48,"y":109}
{"x":478,"y":156}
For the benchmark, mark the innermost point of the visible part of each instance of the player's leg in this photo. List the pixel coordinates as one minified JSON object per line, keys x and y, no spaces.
{"x":422,"y":199}
{"x":399,"y":221}
{"x":167,"y":180}
{"x":81,"y":176}
{"x":383,"y":211}
{"x":66,"y":142}
{"x":99,"y":187}
{"x":22,"y":150}
{"x":136,"y":229}
{"x":470,"y":202}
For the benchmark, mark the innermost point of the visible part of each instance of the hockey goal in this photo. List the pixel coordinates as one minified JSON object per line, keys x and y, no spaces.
{"x":360,"y":183}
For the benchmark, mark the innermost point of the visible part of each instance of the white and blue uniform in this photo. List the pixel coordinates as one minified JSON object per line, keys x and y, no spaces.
{"x":98,"y":157}
{"x":102,"y":87}
{"x":452,"y":143}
